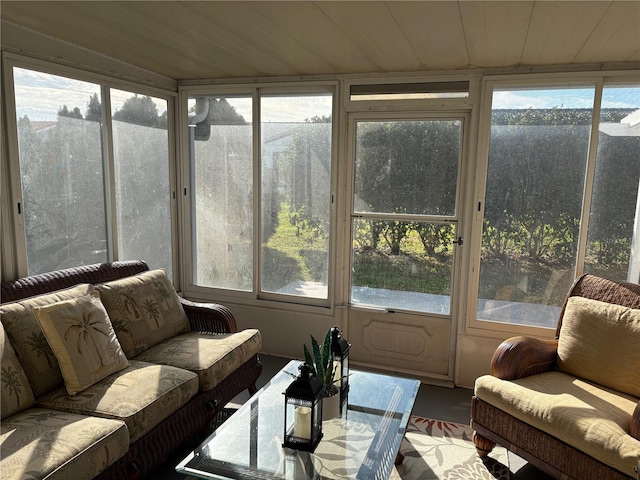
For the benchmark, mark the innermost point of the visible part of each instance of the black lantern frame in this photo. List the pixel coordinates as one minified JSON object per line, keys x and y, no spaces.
{"x":303,"y":411}
{"x":340,"y":350}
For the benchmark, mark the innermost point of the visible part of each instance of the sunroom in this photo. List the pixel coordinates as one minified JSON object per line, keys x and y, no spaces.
{"x":429,"y":176}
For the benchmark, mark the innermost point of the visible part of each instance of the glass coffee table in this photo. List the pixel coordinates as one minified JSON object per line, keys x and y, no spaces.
{"x":362,"y":444}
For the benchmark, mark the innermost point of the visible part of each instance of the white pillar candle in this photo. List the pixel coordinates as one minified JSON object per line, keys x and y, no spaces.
{"x":302,"y":423}
{"x":337,"y":374}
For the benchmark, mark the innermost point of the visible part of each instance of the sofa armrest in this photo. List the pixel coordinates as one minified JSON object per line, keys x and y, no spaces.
{"x":519,"y":357}
{"x":209,"y":317}
{"x":635,"y":423}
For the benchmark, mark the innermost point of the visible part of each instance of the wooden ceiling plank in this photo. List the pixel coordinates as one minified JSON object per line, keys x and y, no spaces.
{"x":634,"y":57}
{"x":411,"y":21}
{"x":307,"y":23}
{"x":543,"y":17}
{"x":475,"y":31}
{"x":179,"y":45}
{"x":452,"y":27}
{"x":495,"y":31}
{"x":616,"y":38}
{"x":148,"y":37}
{"x":507,"y":24}
{"x":371,"y":27}
{"x":571,"y":29}
{"x":423,"y":24}
{"x":259,"y":32}
{"x":233,"y":30}
{"x":310,"y":38}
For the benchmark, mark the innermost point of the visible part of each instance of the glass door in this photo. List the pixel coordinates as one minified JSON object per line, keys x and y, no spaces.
{"x":404,"y":238}
{"x":403,"y":219}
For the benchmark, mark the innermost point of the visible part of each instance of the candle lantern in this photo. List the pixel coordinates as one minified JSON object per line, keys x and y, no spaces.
{"x":340,"y":349}
{"x":303,"y":411}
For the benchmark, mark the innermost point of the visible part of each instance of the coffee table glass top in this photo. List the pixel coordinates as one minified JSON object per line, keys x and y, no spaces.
{"x":361,"y":444}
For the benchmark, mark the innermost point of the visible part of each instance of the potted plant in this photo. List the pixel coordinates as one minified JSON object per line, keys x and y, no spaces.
{"x":321,"y":360}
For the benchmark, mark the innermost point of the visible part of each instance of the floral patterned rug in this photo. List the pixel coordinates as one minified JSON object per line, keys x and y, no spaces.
{"x":437,"y":450}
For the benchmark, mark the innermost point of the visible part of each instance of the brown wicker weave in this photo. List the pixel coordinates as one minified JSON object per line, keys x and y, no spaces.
{"x":520,"y":357}
{"x":194,"y":418}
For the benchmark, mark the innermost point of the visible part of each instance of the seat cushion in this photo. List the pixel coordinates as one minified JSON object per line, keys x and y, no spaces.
{"x":30,"y":344}
{"x":212,"y":357}
{"x":82,"y":339}
{"x":591,"y":418}
{"x":588,"y":329}
{"x":40,"y":443}
{"x":16,"y":392}
{"x":144,"y":310}
{"x":141,"y":395}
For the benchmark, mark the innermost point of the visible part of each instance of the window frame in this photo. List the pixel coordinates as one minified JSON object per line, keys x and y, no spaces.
{"x":255,"y":297}
{"x":14,"y":232}
{"x":598,"y":81}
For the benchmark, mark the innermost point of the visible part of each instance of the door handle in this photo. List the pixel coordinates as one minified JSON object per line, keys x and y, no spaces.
{"x":458,"y":241}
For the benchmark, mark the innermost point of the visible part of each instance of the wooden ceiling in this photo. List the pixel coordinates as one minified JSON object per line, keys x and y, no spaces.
{"x":237,"y":39}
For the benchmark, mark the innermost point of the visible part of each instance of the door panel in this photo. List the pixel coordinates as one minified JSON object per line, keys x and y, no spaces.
{"x":401,"y":341}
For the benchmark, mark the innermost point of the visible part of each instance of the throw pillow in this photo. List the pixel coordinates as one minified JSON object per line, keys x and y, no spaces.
{"x":31,"y":347}
{"x":83,"y":340}
{"x":144,"y":309}
{"x":14,"y":386}
{"x":600,"y":342}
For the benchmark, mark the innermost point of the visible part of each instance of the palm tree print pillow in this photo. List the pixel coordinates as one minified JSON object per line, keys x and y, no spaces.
{"x":144,"y":309}
{"x":31,"y":346}
{"x":16,"y":392}
{"x":82,"y":339}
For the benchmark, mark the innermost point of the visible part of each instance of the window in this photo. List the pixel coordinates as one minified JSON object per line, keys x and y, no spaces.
{"x":404,"y":213}
{"x":613,"y":241}
{"x":67,"y":197}
{"x":143,"y":190}
{"x":296,"y":194}
{"x":277,"y":244}
{"x":222,"y":191}
{"x":536,"y":235}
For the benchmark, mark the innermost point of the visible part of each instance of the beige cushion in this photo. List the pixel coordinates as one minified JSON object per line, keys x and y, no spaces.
{"x":591,"y":418}
{"x":212,"y":357}
{"x":30,"y":344}
{"x":141,"y":395}
{"x":144,"y":309}
{"x":82,"y":339}
{"x":16,"y":392}
{"x":600,"y":342}
{"x":41,"y":443}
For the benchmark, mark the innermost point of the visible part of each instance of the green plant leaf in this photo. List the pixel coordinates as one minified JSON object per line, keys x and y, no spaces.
{"x":309,"y":360}
{"x":328,"y":358}
{"x":320,"y":370}
{"x":320,"y":359}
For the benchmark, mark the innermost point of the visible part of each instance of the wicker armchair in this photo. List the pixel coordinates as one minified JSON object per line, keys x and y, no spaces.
{"x":521,"y":357}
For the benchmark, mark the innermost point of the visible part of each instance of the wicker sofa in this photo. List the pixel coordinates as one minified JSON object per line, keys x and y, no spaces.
{"x":170,"y":364}
{"x":570,"y":406}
